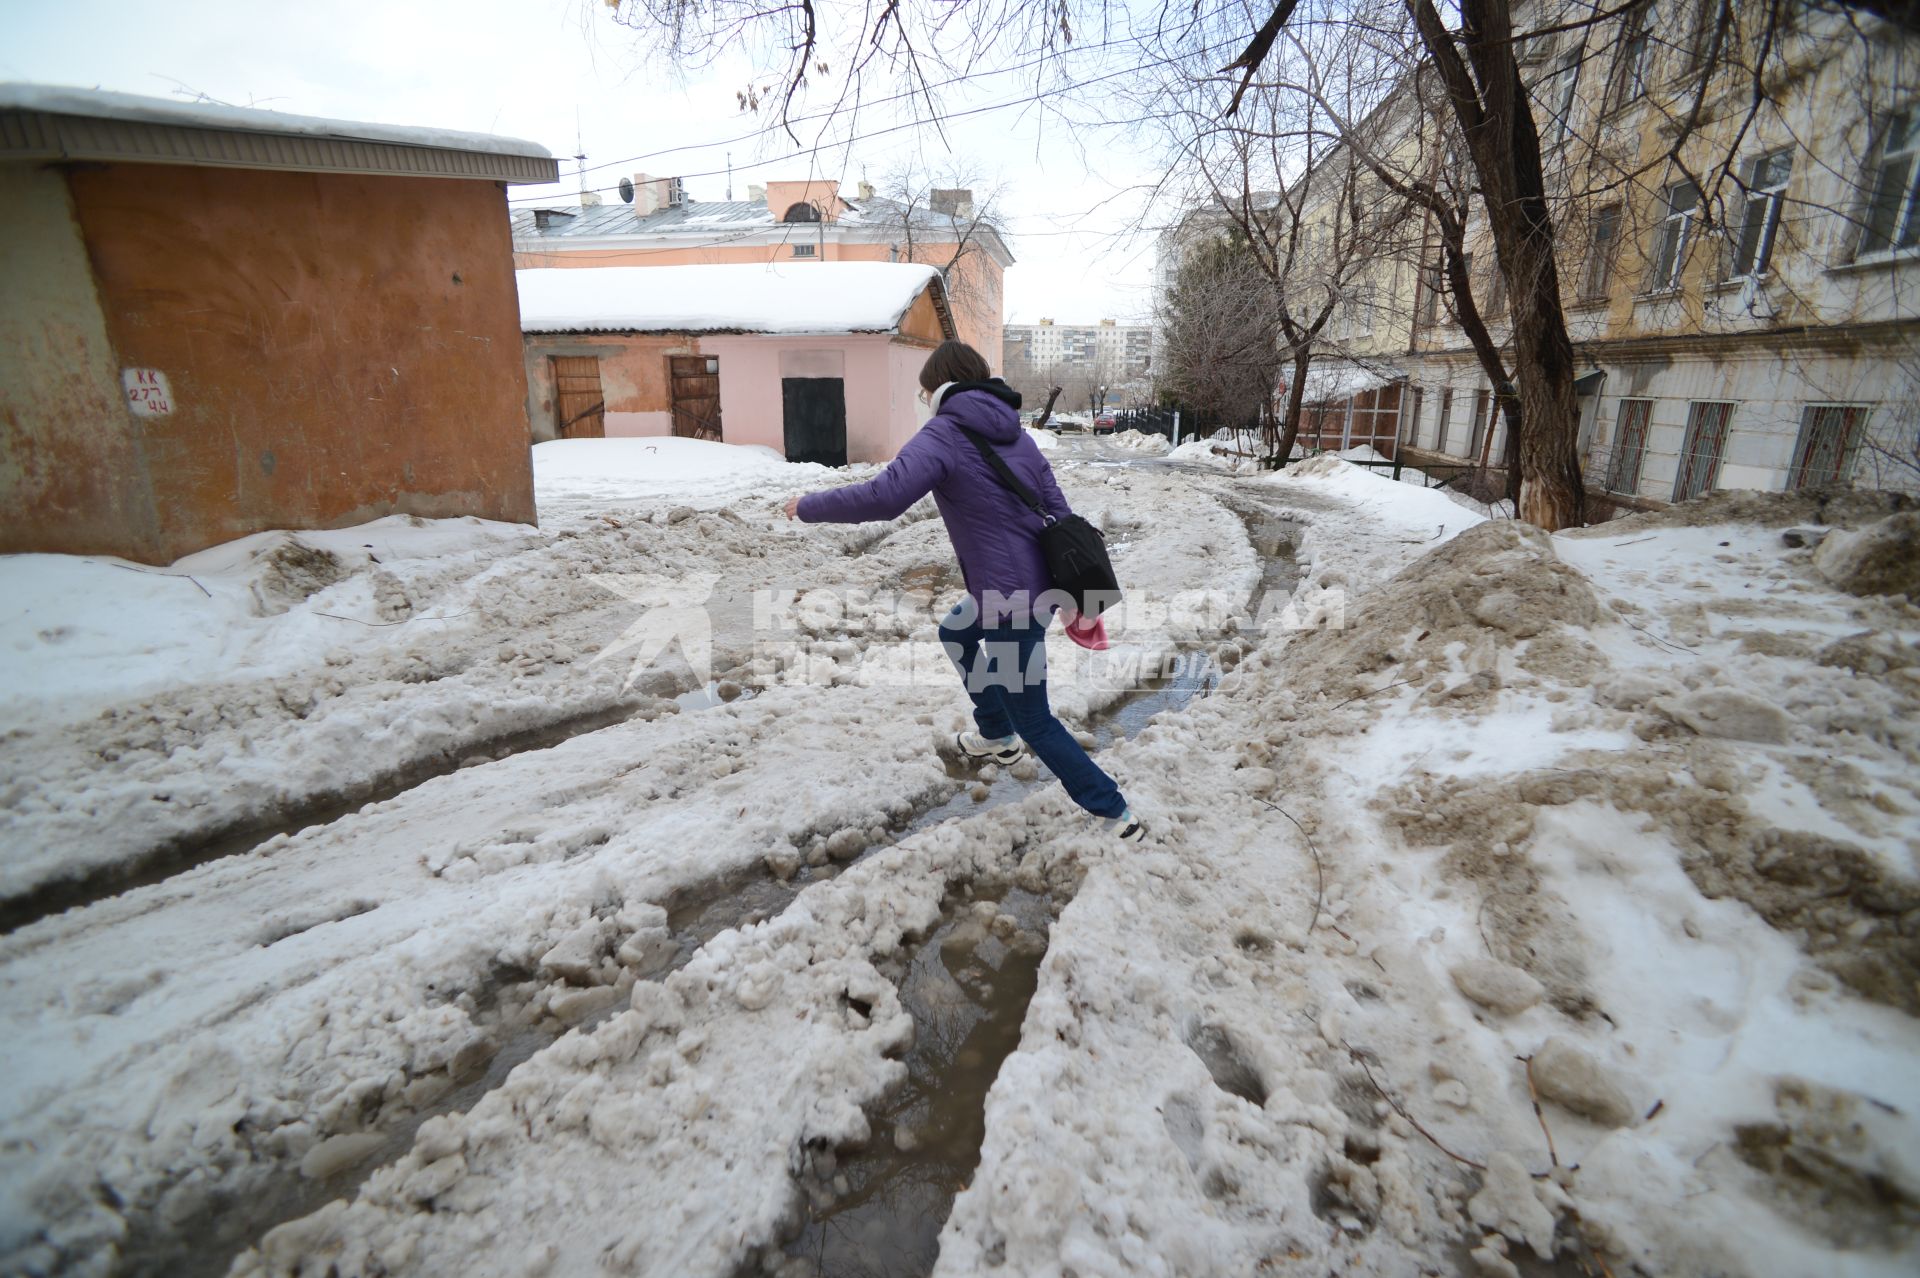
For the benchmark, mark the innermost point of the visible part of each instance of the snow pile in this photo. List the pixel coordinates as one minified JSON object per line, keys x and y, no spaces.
{"x":1526,"y":826}
{"x":84,"y":629}
{"x":1046,"y":440}
{"x":1201,"y":450}
{"x":817,"y":297}
{"x":1139,"y":441}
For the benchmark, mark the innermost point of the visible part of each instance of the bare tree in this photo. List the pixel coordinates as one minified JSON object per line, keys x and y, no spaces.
{"x":1470,"y":48}
{"x":1219,"y":331}
{"x":947,"y":217}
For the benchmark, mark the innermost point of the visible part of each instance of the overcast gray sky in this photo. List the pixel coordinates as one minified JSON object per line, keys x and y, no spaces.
{"x":529,"y":68}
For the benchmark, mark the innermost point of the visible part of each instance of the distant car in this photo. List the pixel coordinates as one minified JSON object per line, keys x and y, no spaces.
{"x":1070,"y":421}
{"x":1105,"y":421}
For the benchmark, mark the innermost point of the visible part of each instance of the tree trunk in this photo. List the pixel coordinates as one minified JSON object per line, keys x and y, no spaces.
{"x":1296,"y":387}
{"x":1551,"y":495}
{"x":1491,"y":106}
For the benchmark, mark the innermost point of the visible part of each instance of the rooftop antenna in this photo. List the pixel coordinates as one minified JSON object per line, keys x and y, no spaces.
{"x":580,"y":154}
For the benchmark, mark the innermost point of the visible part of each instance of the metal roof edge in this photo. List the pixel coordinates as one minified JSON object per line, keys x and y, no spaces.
{"x":49,"y":136}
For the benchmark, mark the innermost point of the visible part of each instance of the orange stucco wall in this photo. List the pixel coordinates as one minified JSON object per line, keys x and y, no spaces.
{"x":822,"y":193}
{"x":981,"y":278}
{"x":70,"y":469}
{"x":633,"y":380}
{"x":339,"y":347}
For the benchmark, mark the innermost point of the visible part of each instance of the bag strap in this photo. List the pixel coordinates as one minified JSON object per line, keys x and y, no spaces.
{"x":1007,"y":477}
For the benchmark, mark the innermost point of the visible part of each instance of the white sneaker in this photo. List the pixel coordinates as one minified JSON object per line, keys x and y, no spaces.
{"x":1004,"y":750}
{"x":1128,"y":829}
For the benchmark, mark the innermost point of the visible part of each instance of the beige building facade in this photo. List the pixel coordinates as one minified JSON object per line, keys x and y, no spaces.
{"x":1743,"y":294}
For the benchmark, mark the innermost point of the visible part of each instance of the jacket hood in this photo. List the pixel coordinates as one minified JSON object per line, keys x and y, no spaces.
{"x":991,"y":408}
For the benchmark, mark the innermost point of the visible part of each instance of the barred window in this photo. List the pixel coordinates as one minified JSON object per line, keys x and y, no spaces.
{"x":1629,"y":446}
{"x":1830,"y":435}
{"x":1700,"y":455}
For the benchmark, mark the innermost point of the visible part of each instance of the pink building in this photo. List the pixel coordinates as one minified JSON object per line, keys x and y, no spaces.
{"x":820,"y":362}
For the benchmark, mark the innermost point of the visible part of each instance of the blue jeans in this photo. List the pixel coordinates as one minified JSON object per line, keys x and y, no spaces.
{"x":1004,"y":668}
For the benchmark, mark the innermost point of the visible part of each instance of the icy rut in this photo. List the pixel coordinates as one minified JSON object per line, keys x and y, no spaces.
{"x":329,"y":703}
{"x":695,"y":915}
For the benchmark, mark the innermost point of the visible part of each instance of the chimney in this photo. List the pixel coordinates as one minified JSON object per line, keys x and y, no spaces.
{"x":954,"y":203}
{"x":651,"y":194}
{"x":589,"y":199}
{"x":756,"y":193}
{"x":866,"y":190}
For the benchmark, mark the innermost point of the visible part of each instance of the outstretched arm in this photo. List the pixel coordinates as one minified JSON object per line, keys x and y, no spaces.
{"x":907,"y":478}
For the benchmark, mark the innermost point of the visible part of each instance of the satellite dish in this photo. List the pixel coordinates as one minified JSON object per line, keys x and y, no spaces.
{"x":626,"y":190}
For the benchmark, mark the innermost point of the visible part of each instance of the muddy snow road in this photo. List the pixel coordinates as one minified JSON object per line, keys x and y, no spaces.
{"x":253,"y":1029}
{"x":1514,"y":904}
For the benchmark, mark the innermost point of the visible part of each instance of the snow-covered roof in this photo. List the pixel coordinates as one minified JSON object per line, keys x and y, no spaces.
{"x":864,"y":219}
{"x":772,"y":297}
{"x":1334,"y":379}
{"x":58,"y":122}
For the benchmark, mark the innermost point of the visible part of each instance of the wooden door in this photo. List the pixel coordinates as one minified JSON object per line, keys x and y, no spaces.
{"x":815,"y":414}
{"x":579,"y":408}
{"x":696,"y":396}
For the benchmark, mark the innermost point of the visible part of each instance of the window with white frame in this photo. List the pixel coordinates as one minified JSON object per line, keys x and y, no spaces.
{"x":1671,"y":237}
{"x":1597,"y":271}
{"x":1766,"y":185}
{"x":1356,"y":310}
{"x":1431,"y":287}
{"x":1892,"y":219}
{"x":1702,"y":18}
{"x":1496,"y":292}
{"x":1632,"y":58}
{"x":1556,"y":96}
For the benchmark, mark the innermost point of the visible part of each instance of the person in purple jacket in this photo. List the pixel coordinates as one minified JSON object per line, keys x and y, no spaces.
{"x":996,"y":635}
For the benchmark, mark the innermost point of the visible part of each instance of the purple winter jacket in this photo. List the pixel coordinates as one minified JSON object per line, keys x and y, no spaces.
{"x":994,"y":535}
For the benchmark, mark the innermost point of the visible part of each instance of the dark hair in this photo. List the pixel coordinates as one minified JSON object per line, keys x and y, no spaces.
{"x":953,"y":362}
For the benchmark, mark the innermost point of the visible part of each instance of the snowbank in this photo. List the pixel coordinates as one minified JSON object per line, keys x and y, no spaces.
{"x":1046,"y":440}
{"x":1139,"y":441}
{"x":1199,"y":450}
{"x":82,"y":629}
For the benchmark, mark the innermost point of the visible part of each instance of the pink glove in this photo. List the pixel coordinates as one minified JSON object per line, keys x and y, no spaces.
{"x":1088,"y":632}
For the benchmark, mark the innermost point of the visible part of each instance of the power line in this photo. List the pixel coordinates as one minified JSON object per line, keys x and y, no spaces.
{"x":897,"y":128}
{"x":831,"y":112}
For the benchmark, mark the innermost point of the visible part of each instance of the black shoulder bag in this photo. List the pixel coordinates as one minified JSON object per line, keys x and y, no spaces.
{"x":1076,"y":553}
